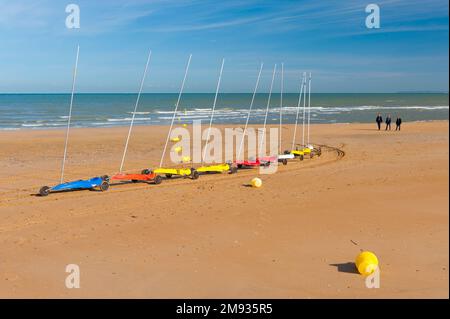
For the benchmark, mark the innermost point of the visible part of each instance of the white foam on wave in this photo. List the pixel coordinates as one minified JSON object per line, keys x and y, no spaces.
{"x":139,"y":113}
{"x":293,"y":109}
{"x":127,"y":119}
{"x":101,"y":123}
{"x":339,"y":109}
{"x":202,"y":110}
{"x":41,"y":124}
{"x":221,"y":115}
{"x":164,"y":112}
{"x":32,"y":125}
{"x":184,"y":117}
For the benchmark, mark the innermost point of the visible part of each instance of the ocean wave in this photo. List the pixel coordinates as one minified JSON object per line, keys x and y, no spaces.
{"x":139,"y":113}
{"x":101,"y":123}
{"x":164,"y":112}
{"x":32,"y":125}
{"x":338,"y":109}
{"x":237,"y":114}
{"x":127,"y":119}
{"x":41,"y":124}
{"x":202,"y":110}
{"x":184,"y":117}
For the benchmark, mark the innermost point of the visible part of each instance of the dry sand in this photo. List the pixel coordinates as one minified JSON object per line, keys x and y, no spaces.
{"x":296,"y":237}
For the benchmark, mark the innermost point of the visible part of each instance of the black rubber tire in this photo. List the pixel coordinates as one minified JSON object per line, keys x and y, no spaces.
{"x":157,"y":180}
{"x":233,"y":170}
{"x":168,"y":175}
{"x":239,"y":166}
{"x":301,"y":157}
{"x":134,"y":181}
{"x":104,"y":186}
{"x":105,"y":178}
{"x":284,"y":161}
{"x":146,"y":171}
{"x":44,"y":191}
{"x":194,"y":174}
{"x":287,"y":152}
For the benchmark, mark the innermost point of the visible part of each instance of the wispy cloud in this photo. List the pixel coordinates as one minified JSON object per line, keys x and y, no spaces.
{"x":399,"y":29}
{"x":23,"y":15}
{"x":204,"y":26}
{"x":111,"y":21}
{"x":327,"y":37}
{"x":336,"y":17}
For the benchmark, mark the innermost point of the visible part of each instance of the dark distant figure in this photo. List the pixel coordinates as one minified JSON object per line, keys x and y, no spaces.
{"x":388,"y":122}
{"x":379,"y":120}
{"x":398,"y":123}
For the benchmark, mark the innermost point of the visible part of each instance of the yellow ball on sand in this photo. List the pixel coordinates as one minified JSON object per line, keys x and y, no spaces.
{"x":256,"y":182}
{"x":186,"y":159}
{"x":175,"y":139}
{"x":366,"y":263}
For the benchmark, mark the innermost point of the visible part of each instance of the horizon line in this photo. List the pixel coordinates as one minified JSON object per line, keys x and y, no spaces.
{"x":65,"y":93}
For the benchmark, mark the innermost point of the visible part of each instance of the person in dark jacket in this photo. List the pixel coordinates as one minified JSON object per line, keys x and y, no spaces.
{"x":398,"y":123}
{"x":379,"y":120}
{"x":388,"y":122}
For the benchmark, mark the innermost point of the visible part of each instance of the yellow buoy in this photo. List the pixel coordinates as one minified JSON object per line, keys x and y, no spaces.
{"x":256,"y":182}
{"x":366,"y":263}
{"x":186,"y":159}
{"x":178,"y":149}
{"x":175,"y":139}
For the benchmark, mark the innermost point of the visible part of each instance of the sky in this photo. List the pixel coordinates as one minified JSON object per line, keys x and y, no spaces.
{"x":409,"y":52}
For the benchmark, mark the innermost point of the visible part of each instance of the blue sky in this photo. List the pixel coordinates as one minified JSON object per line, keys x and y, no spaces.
{"x":329,"y":38}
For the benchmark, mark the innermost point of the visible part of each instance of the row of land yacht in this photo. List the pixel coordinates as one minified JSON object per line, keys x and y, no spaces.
{"x":298,"y":151}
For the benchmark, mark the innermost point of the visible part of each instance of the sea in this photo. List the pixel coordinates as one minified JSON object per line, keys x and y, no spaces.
{"x":50,"y":111}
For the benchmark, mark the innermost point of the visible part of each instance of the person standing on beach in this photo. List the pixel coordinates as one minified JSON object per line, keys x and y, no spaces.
{"x":388,"y":122}
{"x":398,"y":123}
{"x":379,"y":120}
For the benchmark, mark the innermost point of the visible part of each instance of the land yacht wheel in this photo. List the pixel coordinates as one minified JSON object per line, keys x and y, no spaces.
{"x":195,"y":174}
{"x":157,"y":180}
{"x":44,"y":191}
{"x":104,"y":186}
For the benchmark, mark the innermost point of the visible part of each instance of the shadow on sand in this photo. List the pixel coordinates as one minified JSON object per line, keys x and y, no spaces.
{"x":348,"y":267}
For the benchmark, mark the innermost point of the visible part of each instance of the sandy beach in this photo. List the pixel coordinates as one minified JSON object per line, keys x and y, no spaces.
{"x":296,"y":237}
